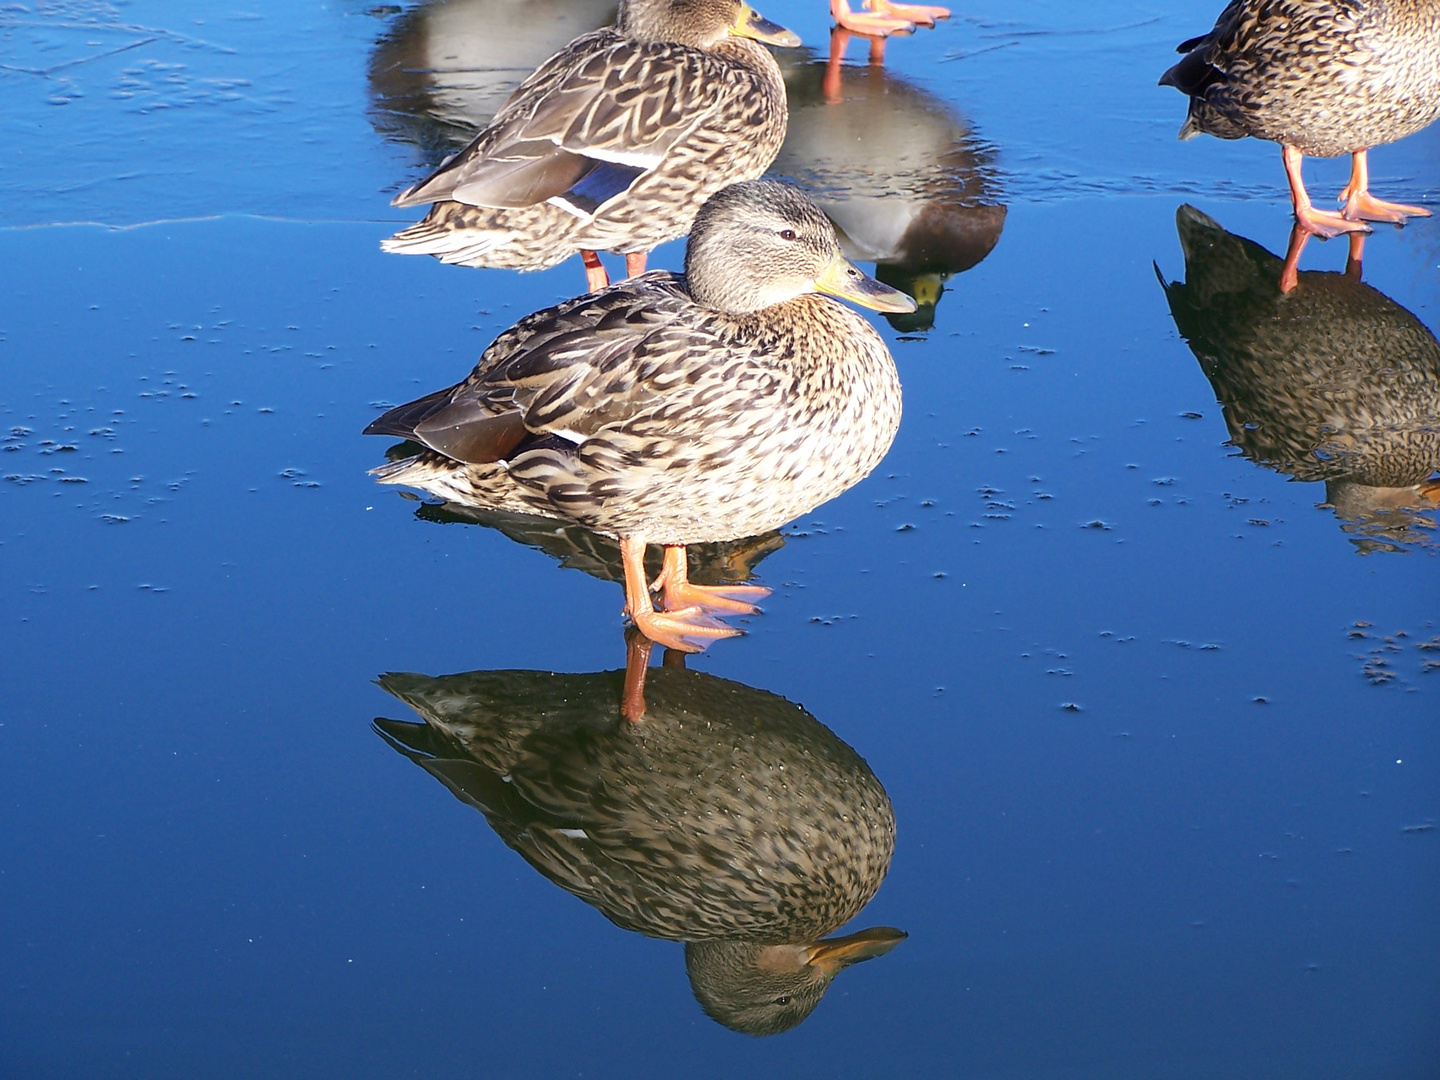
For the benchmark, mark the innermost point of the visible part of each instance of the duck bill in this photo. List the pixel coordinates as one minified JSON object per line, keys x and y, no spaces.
{"x":752,"y":24}
{"x":844,"y":279}
{"x":835,"y":954}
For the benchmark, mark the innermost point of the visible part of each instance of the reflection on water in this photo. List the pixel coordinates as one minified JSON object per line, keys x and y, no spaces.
{"x":908,"y":185}
{"x":899,"y":170}
{"x":728,"y":819}
{"x":577,"y":548}
{"x":1330,"y":381}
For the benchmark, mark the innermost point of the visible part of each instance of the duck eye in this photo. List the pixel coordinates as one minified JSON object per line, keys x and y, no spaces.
{"x":782,"y":1000}
{"x":787,"y":234}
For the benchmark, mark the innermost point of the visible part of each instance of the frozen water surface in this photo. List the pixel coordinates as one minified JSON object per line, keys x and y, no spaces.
{"x":1155,"y":703}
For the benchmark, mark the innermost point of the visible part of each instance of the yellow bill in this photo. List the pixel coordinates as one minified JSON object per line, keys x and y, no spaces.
{"x":750,"y":23}
{"x":834,"y":954}
{"x":844,"y":279}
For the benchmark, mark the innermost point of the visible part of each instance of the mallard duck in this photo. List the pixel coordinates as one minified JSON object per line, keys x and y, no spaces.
{"x":1332,"y":381}
{"x":1320,"y":77}
{"x":900,"y":173}
{"x":881,"y":18}
{"x":674,"y":409}
{"x":731,"y":819}
{"x":612,"y":144}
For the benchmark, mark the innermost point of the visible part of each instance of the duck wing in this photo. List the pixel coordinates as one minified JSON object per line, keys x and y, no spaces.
{"x":565,"y":373}
{"x":584,"y":127}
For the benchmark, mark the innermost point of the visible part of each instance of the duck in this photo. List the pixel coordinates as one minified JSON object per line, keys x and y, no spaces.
{"x":677,"y":409}
{"x":1332,"y":381}
{"x":1321,"y":78}
{"x":612,"y":144}
{"x":898,"y":170}
{"x":731,"y":820}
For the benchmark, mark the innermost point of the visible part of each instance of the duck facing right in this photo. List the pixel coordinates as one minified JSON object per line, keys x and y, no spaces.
{"x":1320,"y":77}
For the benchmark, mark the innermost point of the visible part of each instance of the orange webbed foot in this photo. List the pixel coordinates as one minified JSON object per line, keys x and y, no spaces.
{"x":870,"y":23}
{"x":1327,"y":223}
{"x":1362,"y":206}
{"x":685,"y":629}
{"x":921,"y":14}
{"x":730,"y":599}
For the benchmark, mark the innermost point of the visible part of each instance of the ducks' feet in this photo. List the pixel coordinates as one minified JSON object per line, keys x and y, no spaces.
{"x":595,"y":276}
{"x":1362,"y":206}
{"x":687,"y":629}
{"x":871,"y":22}
{"x":1327,"y":223}
{"x":921,"y":14}
{"x":678,"y":594}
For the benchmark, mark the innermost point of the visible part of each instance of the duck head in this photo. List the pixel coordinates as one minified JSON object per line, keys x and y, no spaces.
{"x":700,"y":23}
{"x":760,"y":243}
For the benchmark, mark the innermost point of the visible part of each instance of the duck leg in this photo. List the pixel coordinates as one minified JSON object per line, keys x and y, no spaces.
{"x":595,"y":275}
{"x":635,"y":263}
{"x":1324,"y":223}
{"x":688,"y":629}
{"x":1355,"y":259}
{"x":637,"y":661}
{"x":678,"y":594}
{"x":1360,"y":205}
{"x":1290,"y":273}
{"x":869,"y":22}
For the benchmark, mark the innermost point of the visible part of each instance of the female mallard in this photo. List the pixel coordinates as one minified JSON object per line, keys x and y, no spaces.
{"x":677,"y":410}
{"x":731,"y":820}
{"x":612,"y":144}
{"x":1321,"y":77}
{"x":1332,"y":381}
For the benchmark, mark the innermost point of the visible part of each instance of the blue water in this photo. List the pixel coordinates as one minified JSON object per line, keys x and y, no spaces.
{"x":1160,"y":811}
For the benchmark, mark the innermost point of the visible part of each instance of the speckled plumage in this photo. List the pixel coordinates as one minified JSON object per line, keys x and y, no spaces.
{"x":648,"y":414}
{"x":685,"y":118}
{"x":1332,"y":381}
{"x":1327,"y":77}
{"x":730,"y":819}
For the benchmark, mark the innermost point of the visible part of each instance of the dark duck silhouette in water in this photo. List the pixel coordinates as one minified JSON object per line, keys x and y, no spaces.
{"x":1331,"y":381}
{"x":1320,"y":77}
{"x":730,"y":819}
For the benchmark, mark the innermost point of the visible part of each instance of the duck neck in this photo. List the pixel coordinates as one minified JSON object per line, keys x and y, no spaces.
{"x":753,"y":55}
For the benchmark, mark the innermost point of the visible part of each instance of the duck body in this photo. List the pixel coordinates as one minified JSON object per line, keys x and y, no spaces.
{"x":647,"y":414}
{"x":612,"y":144}
{"x":1327,"y":77}
{"x":1319,"y":77}
{"x":675,"y":410}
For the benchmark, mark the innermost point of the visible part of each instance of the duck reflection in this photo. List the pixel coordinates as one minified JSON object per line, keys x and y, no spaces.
{"x":729,"y":819}
{"x":1329,"y":381}
{"x":908,"y":185}
{"x":899,"y":171}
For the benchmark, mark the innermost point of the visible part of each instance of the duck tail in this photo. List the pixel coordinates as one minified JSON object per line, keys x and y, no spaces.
{"x":453,"y":233}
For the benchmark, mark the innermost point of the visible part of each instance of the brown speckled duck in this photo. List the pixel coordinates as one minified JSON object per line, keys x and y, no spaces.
{"x":612,"y":144}
{"x":677,"y":410}
{"x":1332,"y":381}
{"x":1321,"y":77}
{"x":730,"y":820}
